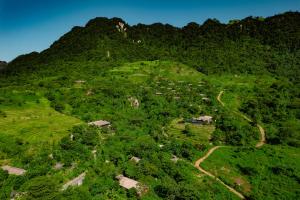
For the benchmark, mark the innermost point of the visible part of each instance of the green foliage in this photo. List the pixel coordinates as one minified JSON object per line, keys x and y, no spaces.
{"x":259,"y":170}
{"x":174,"y":74}
{"x":2,"y":114}
{"x":231,"y":129}
{"x":42,"y":188}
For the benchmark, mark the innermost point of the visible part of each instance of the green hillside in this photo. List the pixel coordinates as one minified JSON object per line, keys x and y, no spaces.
{"x":150,"y":82}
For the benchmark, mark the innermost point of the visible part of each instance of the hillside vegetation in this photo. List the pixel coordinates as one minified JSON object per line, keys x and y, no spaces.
{"x":150,"y":82}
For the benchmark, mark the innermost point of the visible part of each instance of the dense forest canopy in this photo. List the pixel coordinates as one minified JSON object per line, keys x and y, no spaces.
{"x":250,"y":45}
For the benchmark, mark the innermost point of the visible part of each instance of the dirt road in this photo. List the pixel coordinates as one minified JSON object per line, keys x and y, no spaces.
{"x":198,"y":166}
{"x":219,"y":98}
{"x":262,"y":136}
{"x":262,"y":140}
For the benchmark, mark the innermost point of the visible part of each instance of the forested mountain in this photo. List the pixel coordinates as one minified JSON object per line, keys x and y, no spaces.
{"x":3,"y":64}
{"x":113,"y":111}
{"x":251,"y":45}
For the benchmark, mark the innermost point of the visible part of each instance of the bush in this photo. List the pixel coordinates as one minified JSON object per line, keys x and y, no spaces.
{"x":58,"y":106}
{"x":43,"y":188}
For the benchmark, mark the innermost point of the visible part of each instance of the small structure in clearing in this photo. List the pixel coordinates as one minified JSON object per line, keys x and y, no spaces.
{"x":201,"y":120}
{"x":13,"y":170}
{"x":99,"y":123}
{"x":127,"y":182}
{"x":75,"y":182}
{"x":58,"y":166}
{"x":135,"y":159}
{"x":130,"y":183}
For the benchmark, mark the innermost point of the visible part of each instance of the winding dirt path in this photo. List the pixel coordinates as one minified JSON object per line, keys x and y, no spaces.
{"x":198,"y":166}
{"x":219,"y":98}
{"x":262,"y":136}
{"x":261,"y":142}
{"x":262,"y":139}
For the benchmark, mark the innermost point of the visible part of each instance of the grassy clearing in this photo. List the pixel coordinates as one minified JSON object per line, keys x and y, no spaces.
{"x":267,"y":172}
{"x":29,"y":123}
{"x":238,"y":86}
{"x":35,"y":124}
{"x":137,"y":71}
{"x":197,"y":133}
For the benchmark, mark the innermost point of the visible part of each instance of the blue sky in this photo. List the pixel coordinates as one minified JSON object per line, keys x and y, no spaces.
{"x":32,"y":25}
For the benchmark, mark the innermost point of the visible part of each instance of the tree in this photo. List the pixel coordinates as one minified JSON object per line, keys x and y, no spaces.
{"x":43,"y":188}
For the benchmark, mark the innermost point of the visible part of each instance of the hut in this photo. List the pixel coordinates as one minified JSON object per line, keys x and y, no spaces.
{"x":58,"y":166}
{"x":99,"y":123}
{"x":75,"y":182}
{"x":13,"y":170}
{"x":127,"y":182}
{"x":201,"y":120}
